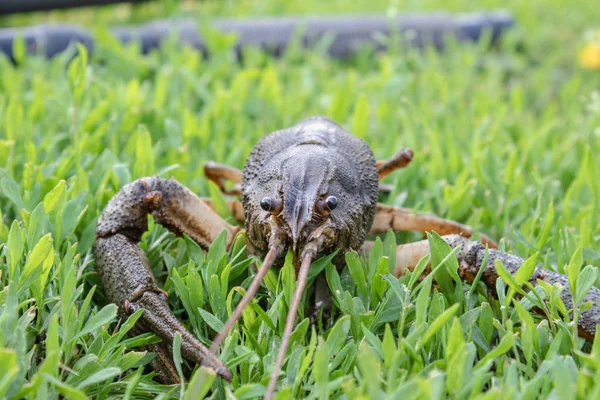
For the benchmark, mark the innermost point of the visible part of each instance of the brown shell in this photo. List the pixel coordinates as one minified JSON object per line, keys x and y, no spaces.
{"x":314,"y":157}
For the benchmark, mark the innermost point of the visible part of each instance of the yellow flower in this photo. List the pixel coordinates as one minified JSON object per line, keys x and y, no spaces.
{"x":589,"y":57}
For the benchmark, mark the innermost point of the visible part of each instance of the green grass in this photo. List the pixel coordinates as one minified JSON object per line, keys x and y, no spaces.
{"x":505,"y":140}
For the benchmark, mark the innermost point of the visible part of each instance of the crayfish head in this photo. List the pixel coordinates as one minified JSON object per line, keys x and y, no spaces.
{"x":300,"y":214}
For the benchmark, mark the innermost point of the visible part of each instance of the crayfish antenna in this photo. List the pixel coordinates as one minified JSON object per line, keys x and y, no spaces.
{"x":239,"y":309}
{"x":289,"y":323}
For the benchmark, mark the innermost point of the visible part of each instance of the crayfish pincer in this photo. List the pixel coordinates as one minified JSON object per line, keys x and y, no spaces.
{"x":310,"y":189}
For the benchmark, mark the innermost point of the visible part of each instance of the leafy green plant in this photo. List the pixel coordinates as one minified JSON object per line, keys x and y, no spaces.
{"x":505,"y":140}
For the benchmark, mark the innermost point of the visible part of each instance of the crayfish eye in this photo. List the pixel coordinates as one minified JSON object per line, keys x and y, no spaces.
{"x":326,"y":206}
{"x":331,"y":202}
{"x":266,"y":203}
{"x":270,"y":204}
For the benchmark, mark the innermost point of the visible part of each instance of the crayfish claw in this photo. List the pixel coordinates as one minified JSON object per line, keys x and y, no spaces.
{"x":159,"y":319}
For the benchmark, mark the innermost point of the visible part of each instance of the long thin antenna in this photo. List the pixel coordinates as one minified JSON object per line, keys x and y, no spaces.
{"x":289,"y":324}
{"x":254,"y":286}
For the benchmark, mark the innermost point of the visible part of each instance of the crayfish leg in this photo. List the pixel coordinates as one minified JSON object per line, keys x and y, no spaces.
{"x":220,"y":173}
{"x":405,"y":219}
{"x":470,"y":258}
{"x":399,"y":160}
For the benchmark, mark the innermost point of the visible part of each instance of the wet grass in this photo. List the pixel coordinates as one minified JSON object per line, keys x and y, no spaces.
{"x":505,"y":139}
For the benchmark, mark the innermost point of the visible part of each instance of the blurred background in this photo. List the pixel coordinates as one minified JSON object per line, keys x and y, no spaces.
{"x":548,"y":26}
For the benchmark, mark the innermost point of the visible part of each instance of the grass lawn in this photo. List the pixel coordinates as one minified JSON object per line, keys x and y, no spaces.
{"x":505,"y":140}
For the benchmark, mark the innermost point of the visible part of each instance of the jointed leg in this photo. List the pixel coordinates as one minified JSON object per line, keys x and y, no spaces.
{"x":399,"y":160}
{"x":235,"y":206}
{"x":403,"y":219}
{"x":470,"y":258}
{"x":219,"y":173}
{"x":124,"y":268}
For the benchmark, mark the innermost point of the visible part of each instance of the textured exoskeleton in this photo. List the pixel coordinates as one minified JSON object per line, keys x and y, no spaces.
{"x":300,"y":167}
{"x":311,"y":188}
